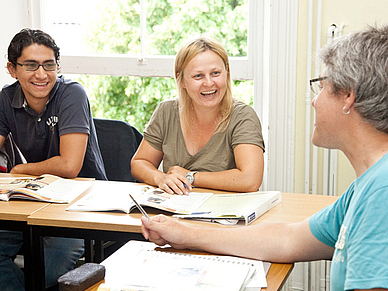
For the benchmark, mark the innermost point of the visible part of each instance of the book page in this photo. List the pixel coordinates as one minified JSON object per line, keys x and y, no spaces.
{"x":108,"y":196}
{"x":153,"y":270}
{"x":258,"y":279}
{"x":47,"y":188}
{"x":64,"y":189}
{"x":157,"y":198}
{"x":7,"y":184}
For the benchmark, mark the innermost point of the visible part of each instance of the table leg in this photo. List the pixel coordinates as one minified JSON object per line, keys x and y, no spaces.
{"x":37,"y":251}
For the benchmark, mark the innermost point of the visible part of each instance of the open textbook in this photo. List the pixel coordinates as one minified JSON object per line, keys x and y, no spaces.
{"x":45,"y":188}
{"x":114,"y":196}
{"x":160,"y":270}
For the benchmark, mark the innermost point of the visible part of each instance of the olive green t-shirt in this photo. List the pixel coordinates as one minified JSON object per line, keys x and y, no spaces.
{"x":164,"y":133}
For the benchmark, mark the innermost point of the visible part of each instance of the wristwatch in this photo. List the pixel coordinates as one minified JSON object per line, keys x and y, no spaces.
{"x":190,"y":176}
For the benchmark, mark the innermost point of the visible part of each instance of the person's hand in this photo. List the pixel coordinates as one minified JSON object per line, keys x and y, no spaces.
{"x":174,"y":181}
{"x":163,"y":230}
{"x":178,"y":171}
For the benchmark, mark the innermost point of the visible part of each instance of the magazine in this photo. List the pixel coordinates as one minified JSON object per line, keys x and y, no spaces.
{"x":222,"y":208}
{"x":119,"y":199}
{"x":45,"y":188}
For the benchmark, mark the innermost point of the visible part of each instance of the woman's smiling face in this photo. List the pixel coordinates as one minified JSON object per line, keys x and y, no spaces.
{"x":205,"y":79}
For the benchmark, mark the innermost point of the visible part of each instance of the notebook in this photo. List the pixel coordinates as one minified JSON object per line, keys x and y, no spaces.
{"x":148,"y":269}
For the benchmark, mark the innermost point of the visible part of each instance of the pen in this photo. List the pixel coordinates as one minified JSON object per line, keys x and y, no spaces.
{"x":139,"y":207}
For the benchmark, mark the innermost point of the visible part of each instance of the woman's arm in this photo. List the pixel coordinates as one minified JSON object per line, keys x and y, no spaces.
{"x":247,"y":177}
{"x":144,"y":168}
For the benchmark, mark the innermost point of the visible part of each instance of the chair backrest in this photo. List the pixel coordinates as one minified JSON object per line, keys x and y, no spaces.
{"x":118,"y":141}
{"x":10,"y":155}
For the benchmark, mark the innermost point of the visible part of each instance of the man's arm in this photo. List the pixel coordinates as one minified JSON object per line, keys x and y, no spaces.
{"x":268,"y":242}
{"x":69,"y":162}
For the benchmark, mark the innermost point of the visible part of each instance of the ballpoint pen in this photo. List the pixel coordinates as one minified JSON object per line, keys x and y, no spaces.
{"x":139,"y":207}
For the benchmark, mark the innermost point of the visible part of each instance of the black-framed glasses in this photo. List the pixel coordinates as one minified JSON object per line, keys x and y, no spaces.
{"x":315,"y":84}
{"x":33,"y":66}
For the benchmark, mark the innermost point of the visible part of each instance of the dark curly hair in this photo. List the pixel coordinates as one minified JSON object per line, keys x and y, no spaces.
{"x":27,"y":37}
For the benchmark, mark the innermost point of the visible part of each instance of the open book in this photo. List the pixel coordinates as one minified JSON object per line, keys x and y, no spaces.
{"x":45,"y":188}
{"x":159,"y":270}
{"x":114,"y":196}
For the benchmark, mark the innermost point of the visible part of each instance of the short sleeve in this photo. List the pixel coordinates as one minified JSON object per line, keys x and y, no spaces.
{"x":5,"y":111}
{"x":4,"y":130}
{"x":325,"y":225}
{"x":245,"y":126}
{"x":73,"y":109}
{"x":155,"y":131}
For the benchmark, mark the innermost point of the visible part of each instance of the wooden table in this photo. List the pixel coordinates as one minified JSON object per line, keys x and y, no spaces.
{"x":13,"y":216}
{"x":53,"y":220}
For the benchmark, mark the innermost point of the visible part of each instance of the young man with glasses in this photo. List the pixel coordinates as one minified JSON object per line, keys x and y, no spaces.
{"x":52,"y":125}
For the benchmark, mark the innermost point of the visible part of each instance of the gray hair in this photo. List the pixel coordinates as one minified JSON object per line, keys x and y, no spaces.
{"x":359,"y":62}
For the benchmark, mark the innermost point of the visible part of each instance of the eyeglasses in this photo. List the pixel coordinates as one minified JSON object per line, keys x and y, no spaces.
{"x":315,"y":84}
{"x":34,"y":66}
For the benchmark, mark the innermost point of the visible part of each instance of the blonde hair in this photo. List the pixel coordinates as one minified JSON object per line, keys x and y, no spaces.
{"x":185,"y":54}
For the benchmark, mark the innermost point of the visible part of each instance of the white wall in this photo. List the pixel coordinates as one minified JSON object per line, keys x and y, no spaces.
{"x":355,"y":14}
{"x":13,"y":17}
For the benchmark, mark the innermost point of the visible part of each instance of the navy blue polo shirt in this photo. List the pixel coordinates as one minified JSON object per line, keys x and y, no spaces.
{"x":37,"y":135}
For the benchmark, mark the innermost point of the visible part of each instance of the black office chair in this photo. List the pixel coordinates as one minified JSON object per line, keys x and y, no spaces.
{"x":118,"y":142}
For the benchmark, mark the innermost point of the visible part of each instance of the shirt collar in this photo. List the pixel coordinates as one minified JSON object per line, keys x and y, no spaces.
{"x":19,"y":100}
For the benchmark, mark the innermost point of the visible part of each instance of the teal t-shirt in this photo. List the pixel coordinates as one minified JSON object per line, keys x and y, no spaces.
{"x":357,"y":226}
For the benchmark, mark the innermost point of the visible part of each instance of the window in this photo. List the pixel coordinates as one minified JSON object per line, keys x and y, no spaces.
{"x":143,"y":35}
{"x":270,"y":63}
{"x":140,"y":28}
{"x":133,"y":44}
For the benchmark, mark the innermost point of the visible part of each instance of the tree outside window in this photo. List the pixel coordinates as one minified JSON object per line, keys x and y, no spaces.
{"x":114,"y":27}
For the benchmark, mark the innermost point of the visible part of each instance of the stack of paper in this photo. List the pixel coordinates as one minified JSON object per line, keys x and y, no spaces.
{"x":155,"y":270}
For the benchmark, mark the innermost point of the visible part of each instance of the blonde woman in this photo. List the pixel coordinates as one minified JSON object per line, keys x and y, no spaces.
{"x":205,"y":137}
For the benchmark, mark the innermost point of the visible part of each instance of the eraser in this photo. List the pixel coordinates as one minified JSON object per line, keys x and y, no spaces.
{"x":82,"y":277}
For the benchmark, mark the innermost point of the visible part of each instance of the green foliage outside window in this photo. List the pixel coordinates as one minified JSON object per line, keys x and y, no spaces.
{"x":169,"y":22}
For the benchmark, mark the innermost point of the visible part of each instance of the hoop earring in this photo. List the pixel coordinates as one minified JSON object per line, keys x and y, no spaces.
{"x":345,"y":112}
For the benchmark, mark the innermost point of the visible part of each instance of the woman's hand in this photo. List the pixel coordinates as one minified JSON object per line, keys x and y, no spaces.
{"x":175,"y":181}
{"x":144,"y":168}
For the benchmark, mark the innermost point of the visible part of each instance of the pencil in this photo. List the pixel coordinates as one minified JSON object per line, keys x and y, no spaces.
{"x":139,"y":207}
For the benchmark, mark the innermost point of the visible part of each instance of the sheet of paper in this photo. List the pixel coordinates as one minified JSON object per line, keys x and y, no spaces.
{"x":152,"y":270}
{"x":102,"y":198}
{"x":65,"y":189}
{"x":176,"y":203}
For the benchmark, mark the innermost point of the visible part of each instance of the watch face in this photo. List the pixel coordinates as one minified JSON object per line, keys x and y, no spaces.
{"x":190,"y":178}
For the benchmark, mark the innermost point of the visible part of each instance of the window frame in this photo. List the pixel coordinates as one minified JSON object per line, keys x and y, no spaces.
{"x":143,"y":65}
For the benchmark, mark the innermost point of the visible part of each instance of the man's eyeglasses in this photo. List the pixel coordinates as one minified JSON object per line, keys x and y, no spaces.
{"x":315,"y":84}
{"x":34,"y":66}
